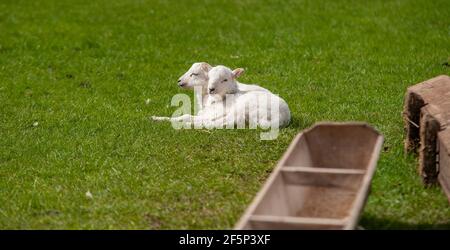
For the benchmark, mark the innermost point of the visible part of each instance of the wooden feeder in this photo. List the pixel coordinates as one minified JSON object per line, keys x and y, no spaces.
{"x":321,"y":182}
{"x":427,"y":124}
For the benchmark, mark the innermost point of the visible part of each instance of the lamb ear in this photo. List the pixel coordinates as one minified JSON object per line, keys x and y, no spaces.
{"x":206,"y":67}
{"x":238,"y":72}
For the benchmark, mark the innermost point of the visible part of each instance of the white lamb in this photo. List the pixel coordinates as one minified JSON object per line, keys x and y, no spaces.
{"x":257,"y":108}
{"x":228,"y":106}
{"x":196,"y":78}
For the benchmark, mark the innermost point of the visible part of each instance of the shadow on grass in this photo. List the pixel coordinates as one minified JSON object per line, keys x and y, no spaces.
{"x":299,"y":123}
{"x":304,"y":122}
{"x":373,"y":222}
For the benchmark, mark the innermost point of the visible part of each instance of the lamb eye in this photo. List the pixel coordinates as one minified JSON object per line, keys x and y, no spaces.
{"x":194,"y":74}
{"x":225,"y":80}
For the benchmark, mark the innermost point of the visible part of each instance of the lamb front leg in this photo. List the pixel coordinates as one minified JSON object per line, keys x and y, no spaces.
{"x":197,"y":122}
{"x":182,"y":118}
{"x":160,"y":118}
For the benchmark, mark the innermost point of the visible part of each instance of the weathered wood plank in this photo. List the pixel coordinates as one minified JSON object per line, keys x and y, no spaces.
{"x":298,"y":223}
{"x":426,"y":112}
{"x":444,"y":161}
{"x":323,"y":170}
{"x":417,"y":96}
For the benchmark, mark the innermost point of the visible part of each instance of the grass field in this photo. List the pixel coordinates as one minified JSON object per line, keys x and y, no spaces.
{"x":75,"y":77}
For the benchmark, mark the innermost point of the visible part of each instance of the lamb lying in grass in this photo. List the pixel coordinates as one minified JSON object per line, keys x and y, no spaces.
{"x":257,"y":108}
{"x":196,"y":78}
{"x":228,"y":106}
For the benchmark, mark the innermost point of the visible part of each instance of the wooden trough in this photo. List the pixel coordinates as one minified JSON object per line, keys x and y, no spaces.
{"x":321,"y":182}
{"x":427,"y":124}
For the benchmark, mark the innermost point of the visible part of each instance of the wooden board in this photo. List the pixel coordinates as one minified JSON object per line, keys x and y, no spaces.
{"x":321,"y":182}
{"x":426,"y":112}
{"x":444,"y":161}
{"x":416,"y":97}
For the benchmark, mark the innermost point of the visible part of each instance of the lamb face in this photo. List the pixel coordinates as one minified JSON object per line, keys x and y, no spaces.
{"x":197,"y":75}
{"x":222,"y":80}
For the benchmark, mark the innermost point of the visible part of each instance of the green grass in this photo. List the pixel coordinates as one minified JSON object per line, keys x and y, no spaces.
{"x":83,"y":70}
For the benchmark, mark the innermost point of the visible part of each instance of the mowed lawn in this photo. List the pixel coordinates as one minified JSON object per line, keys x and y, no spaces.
{"x":75,"y":77}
